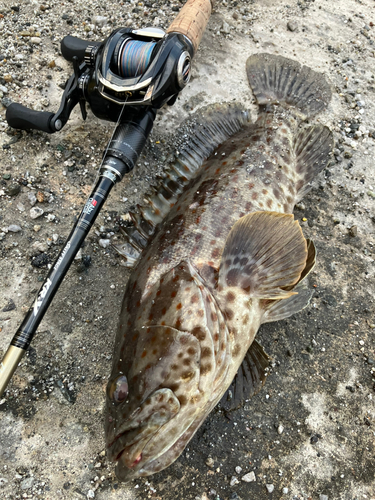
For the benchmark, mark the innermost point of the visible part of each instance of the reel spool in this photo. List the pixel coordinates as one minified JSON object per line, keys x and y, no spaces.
{"x":134,"y":57}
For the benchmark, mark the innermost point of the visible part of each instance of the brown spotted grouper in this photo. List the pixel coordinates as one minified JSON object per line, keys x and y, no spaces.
{"x":220,"y":255}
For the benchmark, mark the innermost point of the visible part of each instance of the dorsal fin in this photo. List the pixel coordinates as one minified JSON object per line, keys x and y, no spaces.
{"x":196,"y":141}
{"x":313,"y":151}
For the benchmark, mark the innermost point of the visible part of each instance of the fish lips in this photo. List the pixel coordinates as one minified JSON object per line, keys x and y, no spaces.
{"x":139,"y":469}
{"x":141,"y":426}
{"x":130,"y":451}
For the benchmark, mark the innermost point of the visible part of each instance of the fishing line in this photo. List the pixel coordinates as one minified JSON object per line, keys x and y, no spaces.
{"x":133,"y":59}
{"x":134,"y":56}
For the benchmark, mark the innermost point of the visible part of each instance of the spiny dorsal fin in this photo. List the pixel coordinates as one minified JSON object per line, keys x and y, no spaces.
{"x":265,"y":253}
{"x":313,"y":150}
{"x":196,"y":141}
{"x":276,"y":79}
{"x":249,"y":379}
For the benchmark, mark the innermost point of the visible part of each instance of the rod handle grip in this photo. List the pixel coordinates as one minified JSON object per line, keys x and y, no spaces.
{"x":192,"y":20}
{"x":8,"y":366}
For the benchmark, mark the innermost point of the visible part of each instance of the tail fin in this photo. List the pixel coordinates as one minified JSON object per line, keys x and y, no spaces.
{"x":276,"y":79}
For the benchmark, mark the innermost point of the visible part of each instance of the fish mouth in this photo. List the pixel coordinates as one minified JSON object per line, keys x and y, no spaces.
{"x":127,"y":450}
{"x":132,"y":460}
{"x":143,"y":455}
{"x":135,"y":461}
{"x":131,"y":447}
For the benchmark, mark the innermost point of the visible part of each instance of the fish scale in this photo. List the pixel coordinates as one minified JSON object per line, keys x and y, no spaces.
{"x":219,"y":253}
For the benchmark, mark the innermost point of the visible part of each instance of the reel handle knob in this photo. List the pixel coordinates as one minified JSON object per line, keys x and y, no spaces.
{"x":192,"y":20}
{"x":24,"y":118}
{"x":71,"y":46}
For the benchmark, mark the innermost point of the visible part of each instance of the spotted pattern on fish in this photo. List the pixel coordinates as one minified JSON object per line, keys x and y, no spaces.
{"x":220,"y":254}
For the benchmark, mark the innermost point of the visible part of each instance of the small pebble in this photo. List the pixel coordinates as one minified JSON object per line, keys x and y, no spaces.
{"x":32,"y":198}
{"x":234,"y":481}
{"x":292,"y":26}
{"x":39,"y":246}
{"x":280,"y":429}
{"x":13,"y":228}
{"x":27,"y":483}
{"x":90,"y":494}
{"x":285,"y":491}
{"x":323,"y":497}
{"x":35,"y":40}
{"x":238,"y":469}
{"x":353,"y":231}
{"x":40,"y":196}
{"x":104,"y":243}
{"x":225,"y":27}
{"x":270,"y":488}
{"x":10,"y":306}
{"x":210,"y":462}
{"x":78,"y":255}
{"x":36,"y":212}
{"x":13,"y":189}
{"x":100,"y":21}
{"x":249,"y":477}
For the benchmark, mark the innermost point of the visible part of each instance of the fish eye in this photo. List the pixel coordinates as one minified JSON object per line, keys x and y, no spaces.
{"x":118,"y":390}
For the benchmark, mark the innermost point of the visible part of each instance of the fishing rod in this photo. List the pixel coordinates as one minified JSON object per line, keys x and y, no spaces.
{"x":124,"y":79}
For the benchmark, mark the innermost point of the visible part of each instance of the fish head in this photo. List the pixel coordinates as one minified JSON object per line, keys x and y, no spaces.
{"x":163,"y":375}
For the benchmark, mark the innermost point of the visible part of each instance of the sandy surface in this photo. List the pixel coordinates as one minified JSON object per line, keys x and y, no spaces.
{"x":310,"y":433}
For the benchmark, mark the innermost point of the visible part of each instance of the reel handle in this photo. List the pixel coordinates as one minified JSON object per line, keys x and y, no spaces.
{"x":21,"y":117}
{"x":192,"y":20}
{"x":72,"y":46}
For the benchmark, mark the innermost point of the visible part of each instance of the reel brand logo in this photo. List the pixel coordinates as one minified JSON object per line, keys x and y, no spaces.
{"x":90,"y":205}
{"x":40,"y":298}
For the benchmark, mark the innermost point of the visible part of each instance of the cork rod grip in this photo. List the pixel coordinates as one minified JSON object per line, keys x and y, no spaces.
{"x":192,"y":20}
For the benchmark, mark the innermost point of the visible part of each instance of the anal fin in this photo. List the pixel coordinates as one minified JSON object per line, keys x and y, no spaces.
{"x":249,"y":379}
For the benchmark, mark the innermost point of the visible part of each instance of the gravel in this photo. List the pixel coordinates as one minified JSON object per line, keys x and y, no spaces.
{"x":307,"y":381}
{"x":249,"y":477}
{"x":36,"y":212}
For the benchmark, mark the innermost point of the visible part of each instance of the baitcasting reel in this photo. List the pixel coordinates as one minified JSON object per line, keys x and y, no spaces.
{"x":144,"y":67}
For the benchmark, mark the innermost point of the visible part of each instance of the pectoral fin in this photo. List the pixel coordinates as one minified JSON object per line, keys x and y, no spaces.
{"x":249,"y":379}
{"x":265,"y":255}
{"x":281,"y":309}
